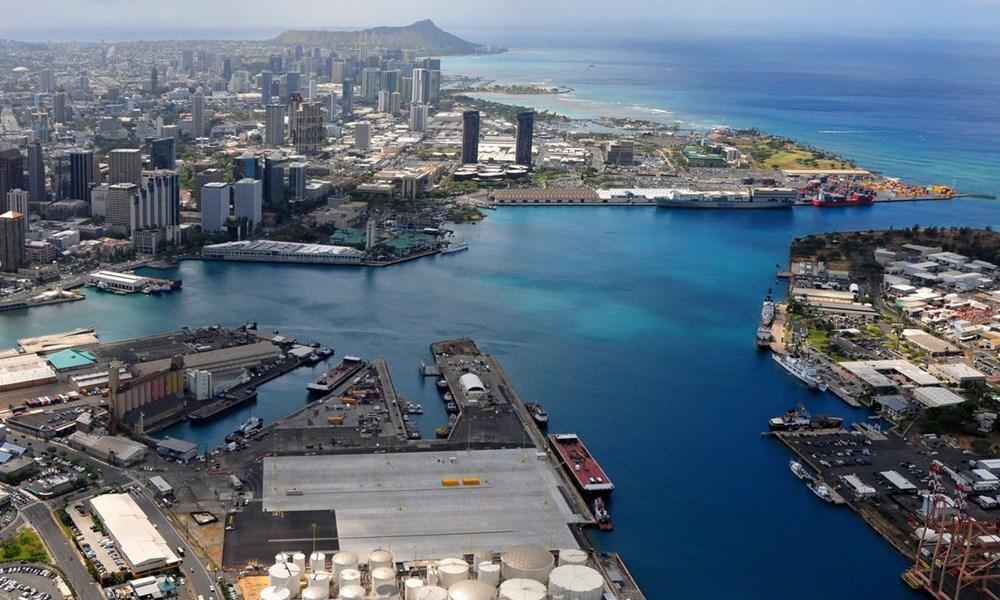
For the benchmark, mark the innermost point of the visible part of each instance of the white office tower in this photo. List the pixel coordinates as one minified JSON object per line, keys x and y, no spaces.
{"x":383,"y":101}
{"x":214,"y":206}
{"x":418,"y":117}
{"x":311,"y":90}
{"x":248,"y":200}
{"x":420,"y":83}
{"x":158,"y":205}
{"x":331,"y":106}
{"x":395,"y":103}
{"x":362,"y":135}
{"x":274,"y":125}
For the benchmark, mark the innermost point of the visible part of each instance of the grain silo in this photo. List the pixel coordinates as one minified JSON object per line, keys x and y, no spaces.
{"x":349,"y":577}
{"x":300,"y":561}
{"x":319,"y":581}
{"x":522,"y":589}
{"x":386,"y":592}
{"x":432,"y":592}
{"x":576,"y":582}
{"x":527,"y":562}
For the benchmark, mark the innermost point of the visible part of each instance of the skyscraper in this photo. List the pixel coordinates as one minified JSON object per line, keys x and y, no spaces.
{"x":154,"y":81}
{"x":470,"y":137}
{"x":347,"y":100}
{"x":11,"y":241}
{"x":187,"y":60}
{"x":370,"y":81}
{"x":274,"y":125}
{"x":198,"y":116}
{"x":418,"y":117}
{"x":383,"y":101}
{"x":275,"y":63}
{"x":125,"y":166}
{"x":297,"y":180}
{"x":331,"y":106}
{"x":293,"y":82}
{"x":59,"y":107}
{"x":83,"y":172}
{"x":245,"y":167}
{"x":362,"y":135}
{"x":11,"y":174}
{"x":420,"y":83}
{"x":266,"y":82}
{"x":274,"y":181}
{"x":214,"y":206}
{"x":46,"y":81}
{"x":120,"y":206}
{"x":305,"y":124}
{"x":525,"y":133}
{"x":227,"y":69}
{"x":158,"y":204}
{"x":17,"y":201}
{"x":36,"y":173}
{"x":163,"y":153}
{"x":433,"y":86}
{"x":248,"y":200}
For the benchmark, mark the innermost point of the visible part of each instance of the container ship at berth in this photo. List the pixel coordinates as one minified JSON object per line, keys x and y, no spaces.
{"x":586,"y":473}
{"x":335,"y":376}
{"x":755,"y":198}
{"x":843,"y":197}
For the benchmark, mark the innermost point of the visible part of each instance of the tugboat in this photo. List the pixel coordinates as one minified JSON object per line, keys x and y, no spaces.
{"x":601,"y":515}
{"x":538,"y":414}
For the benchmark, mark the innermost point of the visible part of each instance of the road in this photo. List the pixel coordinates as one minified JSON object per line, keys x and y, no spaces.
{"x":64,"y":555}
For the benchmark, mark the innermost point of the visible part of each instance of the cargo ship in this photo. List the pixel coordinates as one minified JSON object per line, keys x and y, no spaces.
{"x":586,"y":473}
{"x":858,"y":197}
{"x":762,"y":198}
{"x":335,"y":376}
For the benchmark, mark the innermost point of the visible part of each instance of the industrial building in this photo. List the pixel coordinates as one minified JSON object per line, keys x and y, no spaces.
{"x":141,"y":545}
{"x":176,"y":449}
{"x":121,"y":282}
{"x":116,"y":450}
{"x":872,"y":373}
{"x":285,"y":252}
{"x":936,"y":397}
{"x":24,"y":370}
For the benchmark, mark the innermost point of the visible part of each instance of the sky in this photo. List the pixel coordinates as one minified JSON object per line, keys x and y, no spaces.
{"x":499,"y":20}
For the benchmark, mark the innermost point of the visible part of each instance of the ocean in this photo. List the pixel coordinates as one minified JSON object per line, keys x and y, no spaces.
{"x":634,"y":326}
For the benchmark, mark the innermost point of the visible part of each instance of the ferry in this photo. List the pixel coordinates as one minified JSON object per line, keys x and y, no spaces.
{"x":798,"y":470}
{"x":335,"y":376}
{"x":586,"y":473}
{"x":802,"y":369}
{"x":538,"y":414}
{"x":822,"y":492}
{"x":859,"y":197}
{"x":453,"y":248}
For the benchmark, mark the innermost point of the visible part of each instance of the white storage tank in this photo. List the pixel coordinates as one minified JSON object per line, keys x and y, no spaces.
{"x":351,"y":592}
{"x":489,"y":572}
{"x":349,"y":577}
{"x":410,"y":587}
{"x":522,"y":589}
{"x":278,"y":575}
{"x":280,"y":558}
{"x":386,"y":592}
{"x":576,"y":582}
{"x":432,"y":592}
{"x":432,"y":575}
{"x":380,"y":558}
{"x":300,"y":561}
{"x":451,"y":570}
{"x":317,"y":562}
{"x":572,"y":556}
{"x":471,"y":589}
{"x":383,"y":576}
{"x":272,"y":592}
{"x":294,"y":577}
{"x":312,"y":594}
{"x":319,"y":581}
{"x":527,"y":562}
{"x":343,"y":560}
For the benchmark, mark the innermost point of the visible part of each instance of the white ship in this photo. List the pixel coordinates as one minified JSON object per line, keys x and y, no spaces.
{"x":803,"y":370}
{"x":798,"y":470}
{"x":452,"y":248}
{"x":822,"y":492}
{"x":758,"y":198}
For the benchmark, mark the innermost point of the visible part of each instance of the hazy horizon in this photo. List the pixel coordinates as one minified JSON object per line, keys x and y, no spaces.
{"x":123,"y":20}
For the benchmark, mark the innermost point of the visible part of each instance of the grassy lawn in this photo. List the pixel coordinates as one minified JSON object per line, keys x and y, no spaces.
{"x":24,"y":545}
{"x":769,"y":153}
{"x":818,"y":338}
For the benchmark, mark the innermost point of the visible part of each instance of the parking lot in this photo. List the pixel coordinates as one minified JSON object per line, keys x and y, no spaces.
{"x":97,"y":548}
{"x":29,"y":582}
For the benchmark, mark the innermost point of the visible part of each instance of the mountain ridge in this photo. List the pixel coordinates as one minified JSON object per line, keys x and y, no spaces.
{"x":421,"y":35}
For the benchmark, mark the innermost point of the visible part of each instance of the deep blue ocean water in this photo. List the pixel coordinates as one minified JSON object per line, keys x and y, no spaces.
{"x":634,"y":326}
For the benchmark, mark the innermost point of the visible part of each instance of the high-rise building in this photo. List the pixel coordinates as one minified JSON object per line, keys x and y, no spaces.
{"x":154,"y":81}
{"x":245,"y":167}
{"x":158,"y":204}
{"x":11,"y":241}
{"x":337,"y":71}
{"x":125,"y":166}
{"x":204,"y":176}
{"x":293,"y":82}
{"x":227,"y":69}
{"x":370,"y":81}
{"x":187,"y":60}
{"x":214,"y":206}
{"x":383,"y":101}
{"x":46,"y":81}
{"x":420,"y":86}
{"x":305,"y":124}
{"x":418,"y":117}
{"x":470,"y":137}
{"x":433,"y":86}
{"x":362,"y":135}
{"x":266,"y":82}
{"x":331,"y":106}
{"x":17,"y":201}
{"x":59,"y":107}
{"x":36,"y":173}
{"x":275,"y":63}
{"x":274,"y":181}
{"x":347,"y":99}
{"x":311,"y":90}
{"x":163,"y":153}
{"x":297,"y":180}
{"x":406,"y":89}
{"x":391,"y":80}
{"x":198,"y":116}
{"x":83,"y":173}
{"x":11,"y":174}
{"x":395,"y":103}
{"x":525,"y":133}
{"x":248,"y":200}
{"x":119,"y":206}
{"x":274,"y":125}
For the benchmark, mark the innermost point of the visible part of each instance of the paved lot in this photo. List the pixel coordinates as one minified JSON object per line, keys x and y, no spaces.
{"x":256,"y":536}
{"x":39,"y":579}
{"x":399,"y":500}
{"x":65,"y":556}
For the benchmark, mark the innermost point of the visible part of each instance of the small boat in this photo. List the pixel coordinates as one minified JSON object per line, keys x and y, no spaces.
{"x":448,"y":397}
{"x":602,"y":516}
{"x":442,"y":384}
{"x":442,"y":432}
{"x":451,"y":407}
{"x":538,"y":414}
{"x":798,"y":470}
{"x":822,"y":492}
{"x":453,"y":248}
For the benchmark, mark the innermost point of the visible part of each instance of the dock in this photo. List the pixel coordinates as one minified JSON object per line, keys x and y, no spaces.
{"x":244,"y":392}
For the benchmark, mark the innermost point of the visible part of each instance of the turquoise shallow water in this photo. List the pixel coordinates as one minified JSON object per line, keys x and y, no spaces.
{"x":634,"y":326}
